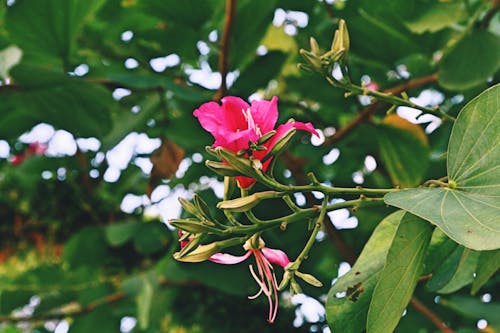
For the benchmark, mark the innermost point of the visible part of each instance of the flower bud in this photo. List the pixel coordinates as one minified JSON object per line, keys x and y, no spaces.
{"x":202,"y":207}
{"x":286,"y":279}
{"x":194,"y":226}
{"x":188,"y":207}
{"x":222,"y":169}
{"x":244,"y":204}
{"x":229,"y":187}
{"x":309,"y":279}
{"x":240,"y":164}
{"x":203,"y":252}
{"x":314,"y":46}
{"x":311,"y":58}
{"x":283,"y":142}
{"x":295,"y":287}
{"x":340,"y":44}
{"x":212,"y":151}
{"x":266,"y":137}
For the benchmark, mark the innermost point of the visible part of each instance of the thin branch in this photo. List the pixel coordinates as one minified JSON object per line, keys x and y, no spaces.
{"x":224,"y":48}
{"x":420,"y":307}
{"x":370,"y":109}
{"x":495,"y":6}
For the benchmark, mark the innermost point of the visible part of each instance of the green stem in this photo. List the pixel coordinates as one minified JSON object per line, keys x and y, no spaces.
{"x":272,"y":183}
{"x":312,"y":238}
{"x":395,"y":100}
{"x":290,"y":203}
{"x":251,"y":217}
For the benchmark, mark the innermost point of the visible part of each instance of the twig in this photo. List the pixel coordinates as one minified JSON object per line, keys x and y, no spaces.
{"x":370,"y":109}
{"x":420,"y":307}
{"x":495,"y":6}
{"x":224,"y":48}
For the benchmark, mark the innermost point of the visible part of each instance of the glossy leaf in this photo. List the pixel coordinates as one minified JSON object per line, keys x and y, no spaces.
{"x":487,"y":265}
{"x":469,"y":213}
{"x":400,"y":274}
{"x":464,"y":273}
{"x":472,"y":61}
{"x":347,"y":313}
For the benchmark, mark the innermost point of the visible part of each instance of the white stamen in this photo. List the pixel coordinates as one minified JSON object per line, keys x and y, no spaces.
{"x":251,"y":123}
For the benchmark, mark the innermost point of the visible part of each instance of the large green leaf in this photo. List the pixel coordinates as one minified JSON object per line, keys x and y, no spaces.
{"x":464,"y":273}
{"x":349,"y":297}
{"x":47,"y":29}
{"x":404,"y":151}
{"x":44,"y":96}
{"x":487,"y":265}
{"x":400,"y":274}
{"x":436,"y":16}
{"x":472,"y":61}
{"x":468,"y":210}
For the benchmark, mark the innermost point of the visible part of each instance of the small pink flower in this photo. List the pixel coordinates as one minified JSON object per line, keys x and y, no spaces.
{"x":265,"y":277}
{"x":235,"y":123}
{"x":37,"y":148}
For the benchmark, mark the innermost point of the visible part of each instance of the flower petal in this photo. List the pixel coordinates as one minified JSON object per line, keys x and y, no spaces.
{"x":233,"y":118}
{"x":265,"y":114}
{"x":275,"y":256}
{"x":245,"y":182}
{"x":229,"y":259}
{"x":210,"y":117}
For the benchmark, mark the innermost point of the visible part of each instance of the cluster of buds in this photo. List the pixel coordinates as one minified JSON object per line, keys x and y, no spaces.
{"x":321,"y":62}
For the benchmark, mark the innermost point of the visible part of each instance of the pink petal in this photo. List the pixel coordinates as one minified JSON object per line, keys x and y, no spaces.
{"x":210,"y":117}
{"x":229,"y":259}
{"x":232,"y":117}
{"x":274,"y":256}
{"x":265,"y":114}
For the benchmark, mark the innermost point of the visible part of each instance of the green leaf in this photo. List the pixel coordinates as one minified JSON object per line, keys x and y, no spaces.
{"x":440,"y":248}
{"x":488,"y":264}
{"x":472,"y":61}
{"x":68,"y":103}
{"x":48,"y":29}
{"x":444,"y":272}
{"x":436,"y":16}
{"x":400,"y":274}
{"x":100,"y":319}
{"x":464,"y":273}
{"x":473,"y":308}
{"x":469,"y":214}
{"x":348,"y":314}
{"x":404,"y":151}
{"x":152,"y":237}
{"x":86,"y":248}
{"x":119,"y":233}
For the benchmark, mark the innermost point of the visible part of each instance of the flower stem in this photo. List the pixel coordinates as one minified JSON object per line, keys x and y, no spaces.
{"x":312,"y":238}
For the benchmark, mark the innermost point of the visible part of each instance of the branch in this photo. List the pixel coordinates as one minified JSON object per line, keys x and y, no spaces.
{"x":224,"y":48}
{"x":420,"y":307}
{"x":495,"y":6}
{"x":370,"y":109}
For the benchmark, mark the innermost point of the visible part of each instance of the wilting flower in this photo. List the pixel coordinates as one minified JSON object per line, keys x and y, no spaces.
{"x":235,"y":124}
{"x":265,"y":277}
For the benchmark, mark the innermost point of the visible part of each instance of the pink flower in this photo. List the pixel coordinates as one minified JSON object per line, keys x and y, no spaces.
{"x":235,"y":123}
{"x":265,"y":277}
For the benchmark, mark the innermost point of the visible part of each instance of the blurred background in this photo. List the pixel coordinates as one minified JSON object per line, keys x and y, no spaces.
{"x":97,"y":142}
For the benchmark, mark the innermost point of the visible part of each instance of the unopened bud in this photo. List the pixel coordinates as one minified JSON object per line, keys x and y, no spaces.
{"x":212,"y":151}
{"x":194,"y":226}
{"x":295,"y":287}
{"x":229,"y":187}
{"x":204,"y":252}
{"x":240,"y":164}
{"x":202,"y":207}
{"x":309,"y":279}
{"x":244,"y":204}
{"x":222,"y":169}
{"x":188,"y":207}
{"x":311,"y":58}
{"x":286,"y":279}
{"x":283,"y":142}
{"x":314,"y":46}
{"x":341,"y":43}
{"x":305,"y":68}
{"x":266,"y":137}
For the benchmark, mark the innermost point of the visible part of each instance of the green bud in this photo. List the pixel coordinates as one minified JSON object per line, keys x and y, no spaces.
{"x":240,"y":164}
{"x":309,"y":279}
{"x":283,"y":142}
{"x":222,"y":169}
{"x":295,"y":287}
{"x":314,"y":46}
{"x":244,"y":204}
{"x":189,"y":207}
{"x":311,"y":58}
{"x":229,"y":187}
{"x":266,"y":137}
{"x":193,"y":243}
{"x":305,"y":68}
{"x":340,"y":44}
{"x":203,"y":252}
{"x":212,"y":151}
{"x":286,"y":279}
{"x":202,"y":207}
{"x":194,"y":226}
